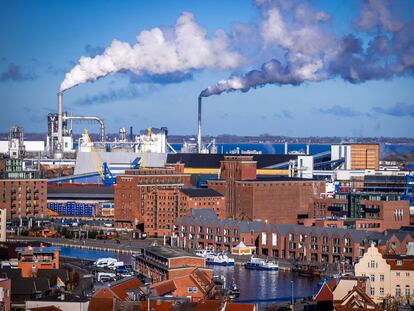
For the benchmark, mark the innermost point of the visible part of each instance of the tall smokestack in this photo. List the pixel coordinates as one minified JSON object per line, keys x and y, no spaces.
{"x":199,"y":126}
{"x":60,"y":120}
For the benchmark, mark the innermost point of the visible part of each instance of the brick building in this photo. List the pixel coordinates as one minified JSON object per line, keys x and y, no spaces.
{"x":363,"y":211}
{"x":287,"y":241}
{"x":23,"y":193}
{"x":23,"y":198}
{"x":195,"y":198}
{"x":266,"y":198}
{"x":161,"y":263}
{"x":146,"y":199}
{"x":204,"y":230}
{"x":151,"y":199}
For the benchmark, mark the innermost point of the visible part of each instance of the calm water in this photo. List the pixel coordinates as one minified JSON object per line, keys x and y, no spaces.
{"x":255,"y":286}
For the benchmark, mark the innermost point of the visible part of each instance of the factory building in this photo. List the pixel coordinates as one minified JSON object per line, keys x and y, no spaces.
{"x":266,"y":198}
{"x":151,"y":199}
{"x":357,"y":156}
{"x":361,"y":210}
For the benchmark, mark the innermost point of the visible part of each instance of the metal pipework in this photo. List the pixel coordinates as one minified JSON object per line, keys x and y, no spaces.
{"x":100,"y":121}
{"x":199,"y":126}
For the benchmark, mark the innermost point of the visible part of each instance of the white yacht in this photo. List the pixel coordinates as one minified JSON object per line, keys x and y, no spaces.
{"x":261,"y":264}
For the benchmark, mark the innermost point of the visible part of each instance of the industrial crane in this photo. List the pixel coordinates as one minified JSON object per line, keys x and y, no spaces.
{"x":107,"y":178}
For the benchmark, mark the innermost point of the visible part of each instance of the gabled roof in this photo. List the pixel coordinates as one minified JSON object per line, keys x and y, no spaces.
{"x":356,"y":299}
{"x":163,"y":288}
{"x":120,"y":287}
{"x":101,"y":304}
{"x":325,"y":293}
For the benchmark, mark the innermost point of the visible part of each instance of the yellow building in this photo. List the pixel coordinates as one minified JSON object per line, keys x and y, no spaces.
{"x":357,"y":156}
{"x":390,"y":275}
{"x":365,"y":156}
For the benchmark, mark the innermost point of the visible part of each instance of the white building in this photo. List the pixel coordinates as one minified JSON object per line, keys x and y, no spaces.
{"x":389,"y":275}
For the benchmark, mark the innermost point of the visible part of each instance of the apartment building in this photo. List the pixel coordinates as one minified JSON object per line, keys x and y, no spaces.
{"x":23,"y":193}
{"x":363,"y":210}
{"x":288,"y":241}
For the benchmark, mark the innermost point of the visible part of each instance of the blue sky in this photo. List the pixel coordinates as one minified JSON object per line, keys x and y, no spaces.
{"x":42,"y":40}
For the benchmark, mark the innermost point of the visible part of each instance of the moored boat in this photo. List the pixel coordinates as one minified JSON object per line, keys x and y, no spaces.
{"x":219,"y":260}
{"x":261,"y":264}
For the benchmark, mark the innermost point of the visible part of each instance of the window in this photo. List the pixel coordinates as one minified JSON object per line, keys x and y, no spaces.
{"x":397,"y":274}
{"x":381,"y":277}
{"x":372,"y":277}
{"x":382,"y":291}
{"x":399,"y":262}
{"x":192,"y":289}
{"x":372,"y":291}
{"x":407,"y":291}
{"x":397,"y":291}
{"x":407,"y":274}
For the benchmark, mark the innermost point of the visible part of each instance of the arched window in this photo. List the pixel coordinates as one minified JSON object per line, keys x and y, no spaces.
{"x":397,"y":291}
{"x":407,"y":290}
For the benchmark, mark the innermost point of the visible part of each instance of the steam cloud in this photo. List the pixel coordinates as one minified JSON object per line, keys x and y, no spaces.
{"x":311,"y":53}
{"x":293,"y":38}
{"x":158,"y":52}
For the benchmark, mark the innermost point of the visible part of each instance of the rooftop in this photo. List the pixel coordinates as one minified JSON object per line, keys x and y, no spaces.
{"x":260,"y":178}
{"x":200,"y":192}
{"x":168,"y":252}
{"x":63,"y":297}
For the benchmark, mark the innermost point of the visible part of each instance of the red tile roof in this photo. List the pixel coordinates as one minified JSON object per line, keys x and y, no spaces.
{"x":101,"y":304}
{"x":155,"y":306}
{"x":231,"y":306}
{"x":120,"y":288}
{"x":162,"y":288}
{"x":208,"y":305}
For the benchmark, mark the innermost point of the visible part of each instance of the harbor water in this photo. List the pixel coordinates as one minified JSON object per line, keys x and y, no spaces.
{"x":263,"y":287}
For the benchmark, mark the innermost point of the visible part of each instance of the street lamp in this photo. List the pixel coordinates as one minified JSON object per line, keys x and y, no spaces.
{"x":293,"y":299}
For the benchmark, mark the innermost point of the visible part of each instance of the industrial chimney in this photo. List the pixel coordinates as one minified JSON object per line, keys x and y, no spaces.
{"x":199,"y":126}
{"x":58,"y":152}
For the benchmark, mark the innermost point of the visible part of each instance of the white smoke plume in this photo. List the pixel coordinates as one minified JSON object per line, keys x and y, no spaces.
{"x":312,"y":53}
{"x":158,"y":52}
